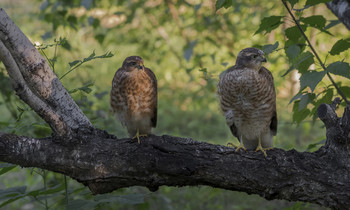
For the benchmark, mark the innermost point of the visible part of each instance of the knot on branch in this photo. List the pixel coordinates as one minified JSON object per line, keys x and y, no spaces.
{"x":338,"y":129}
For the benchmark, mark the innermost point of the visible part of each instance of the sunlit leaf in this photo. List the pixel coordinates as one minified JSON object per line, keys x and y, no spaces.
{"x":339,"y":68}
{"x":311,"y":79}
{"x":270,"y":48}
{"x":269,"y":23}
{"x":340,"y":46}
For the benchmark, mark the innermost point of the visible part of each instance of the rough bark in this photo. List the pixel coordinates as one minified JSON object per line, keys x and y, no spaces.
{"x":341,"y":9}
{"x":105,"y":163}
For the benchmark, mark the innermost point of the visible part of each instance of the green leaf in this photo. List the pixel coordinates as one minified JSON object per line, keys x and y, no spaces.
{"x":293,"y":2}
{"x":269,"y":23}
{"x":304,"y":61}
{"x":188,"y":52}
{"x":294,"y":34}
{"x":317,"y":21}
{"x":73,"y":63}
{"x":86,"y":88}
{"x":299,"y":116}
{"x":340,"y":46}
{"x":91,"y":56}
{"x":310,"y":148}
{"x":339,"y":68}
{"x":345,"y":90}
{"x":326,"y":99}
{"x":332,"y":23}
{"x":314,"y":2}
{"x":127,"y":199}
{"x":81,"y":204}
{"x":13,"y":191}
{"x":297,"y":96}
{"x":100,"y":38}
{"x":7,"y":169}
{"x":311,"y":79}
{"x":223,"y":3}
{"x":293,"y":52}
{"x":6,"y":165}
{"x":12,"y":194}
{"x":270,"y":48}
{"x":305,"y":100}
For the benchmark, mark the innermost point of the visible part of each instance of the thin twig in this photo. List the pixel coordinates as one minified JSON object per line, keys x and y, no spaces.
{"x":315,"y":53}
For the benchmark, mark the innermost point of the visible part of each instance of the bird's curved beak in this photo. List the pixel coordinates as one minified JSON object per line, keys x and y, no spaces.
{"x":263,"y":59}
{"x":140,"y":66}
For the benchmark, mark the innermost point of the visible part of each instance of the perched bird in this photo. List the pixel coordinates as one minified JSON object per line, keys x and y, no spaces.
{"x":248,"y":101}
{"x":134,"y":97}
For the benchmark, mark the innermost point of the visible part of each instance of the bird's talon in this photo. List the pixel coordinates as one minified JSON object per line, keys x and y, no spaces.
{"x":241,"y":147}
{"x":231,"y":145}
{"x":259,"y":148}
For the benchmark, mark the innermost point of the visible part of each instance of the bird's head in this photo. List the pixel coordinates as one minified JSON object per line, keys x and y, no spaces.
{"x":251,"y":58}
{"x":133,"y":63}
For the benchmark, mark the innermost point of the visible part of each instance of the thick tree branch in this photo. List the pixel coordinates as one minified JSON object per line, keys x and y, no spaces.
{"x":34,"y":81}
{"x":341,"y":9}
{"x":105,"y":164}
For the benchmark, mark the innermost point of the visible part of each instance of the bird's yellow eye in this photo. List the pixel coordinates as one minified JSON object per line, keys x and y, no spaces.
{"x":254,"y":56}
{"x":133,"y":63}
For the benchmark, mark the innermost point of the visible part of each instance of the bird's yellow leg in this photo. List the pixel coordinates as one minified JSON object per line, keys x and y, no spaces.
{"x":138,"y":135}
{"x":241,"y":145}
{"x":259,"y":147}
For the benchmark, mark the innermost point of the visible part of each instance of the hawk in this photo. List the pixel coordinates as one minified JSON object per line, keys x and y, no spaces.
{"x":248,"y":101}
{"x":134,"y":97}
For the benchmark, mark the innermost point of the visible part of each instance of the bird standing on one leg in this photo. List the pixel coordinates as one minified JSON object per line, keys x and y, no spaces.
{"x":248,"y":101}
{"x":134,"y":97}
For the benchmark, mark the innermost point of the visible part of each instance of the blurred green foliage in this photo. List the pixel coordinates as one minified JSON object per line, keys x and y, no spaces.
{"x":187,"y":44}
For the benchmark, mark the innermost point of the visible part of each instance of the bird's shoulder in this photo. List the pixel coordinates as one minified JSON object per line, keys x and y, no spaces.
{"x":264,"y":72}
{"x":151,"y":75}
{"x":229,"y":70}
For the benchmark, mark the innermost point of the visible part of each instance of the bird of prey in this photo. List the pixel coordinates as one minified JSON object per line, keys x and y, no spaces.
{"x":134,"y":97}
{"x":248,"y":101}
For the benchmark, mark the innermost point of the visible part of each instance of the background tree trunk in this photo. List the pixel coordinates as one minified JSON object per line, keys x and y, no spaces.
{"x":341,"y":9}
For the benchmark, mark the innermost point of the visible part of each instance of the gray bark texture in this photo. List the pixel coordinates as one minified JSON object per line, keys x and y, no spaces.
{"x":105,"y":163}
{"x":341,"y":9}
